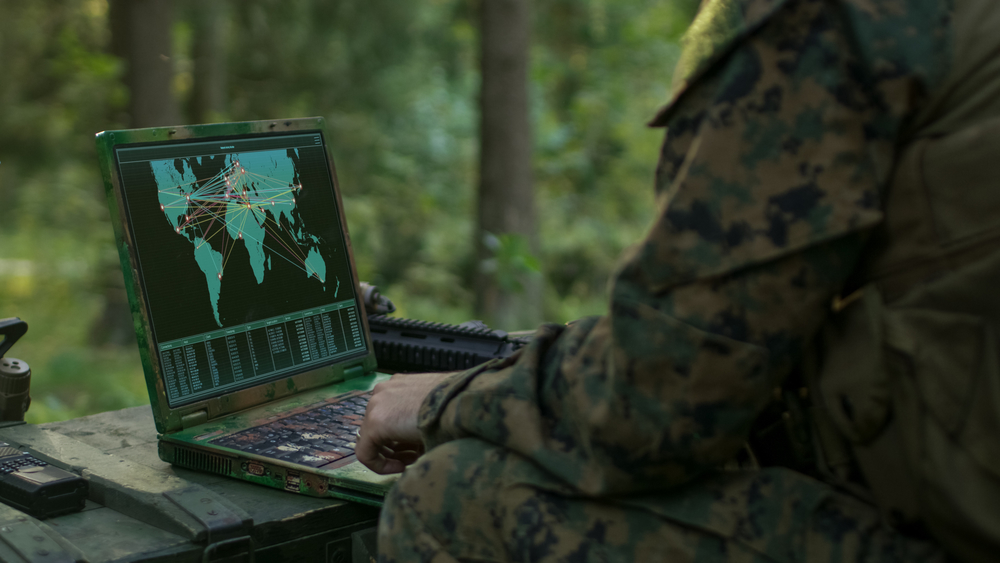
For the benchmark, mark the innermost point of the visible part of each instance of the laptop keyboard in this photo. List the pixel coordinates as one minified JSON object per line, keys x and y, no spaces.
{"x":314,"y":438}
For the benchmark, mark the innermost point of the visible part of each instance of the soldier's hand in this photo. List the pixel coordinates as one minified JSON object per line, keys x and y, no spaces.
{"x":389,"y":439}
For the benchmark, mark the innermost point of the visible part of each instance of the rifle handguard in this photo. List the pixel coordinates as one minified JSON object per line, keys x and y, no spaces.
{"x":408,"y":345}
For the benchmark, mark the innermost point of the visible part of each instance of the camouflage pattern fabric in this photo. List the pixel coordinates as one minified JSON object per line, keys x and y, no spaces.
{"x":467,"y":501}
{"x":780,"y":137}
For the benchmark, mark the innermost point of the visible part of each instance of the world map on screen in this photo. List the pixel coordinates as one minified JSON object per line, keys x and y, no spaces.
{"x":249,"y":203}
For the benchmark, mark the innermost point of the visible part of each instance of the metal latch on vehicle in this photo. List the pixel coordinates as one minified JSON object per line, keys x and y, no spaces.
{"x":223,"y":527}
{"x":29,"y":541}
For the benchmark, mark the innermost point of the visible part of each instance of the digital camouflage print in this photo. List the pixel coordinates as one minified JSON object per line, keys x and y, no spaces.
{"x":467,"y":501}
{"x":780,"y":139}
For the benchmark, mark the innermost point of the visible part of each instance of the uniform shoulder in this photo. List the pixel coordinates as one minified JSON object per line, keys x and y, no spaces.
{"x":890,"y":38}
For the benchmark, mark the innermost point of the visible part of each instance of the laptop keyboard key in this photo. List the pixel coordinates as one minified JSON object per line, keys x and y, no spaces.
{"x":312,"y":438}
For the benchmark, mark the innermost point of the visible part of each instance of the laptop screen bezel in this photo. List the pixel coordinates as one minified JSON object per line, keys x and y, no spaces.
{"x":169,"y":419}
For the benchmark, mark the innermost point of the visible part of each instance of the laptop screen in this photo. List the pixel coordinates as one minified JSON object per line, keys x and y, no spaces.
{"x":242,"y":260}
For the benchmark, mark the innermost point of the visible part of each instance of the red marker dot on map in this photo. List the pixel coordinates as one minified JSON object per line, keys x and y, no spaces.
{"x":178,"y":229}
{"x":188,"y":197}
{"x":220,"y":276}
{"x":241,"y":236}
{"x":161,"y":207}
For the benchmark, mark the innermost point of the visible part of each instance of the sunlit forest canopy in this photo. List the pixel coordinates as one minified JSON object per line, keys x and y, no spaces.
{"x":398,"y":84}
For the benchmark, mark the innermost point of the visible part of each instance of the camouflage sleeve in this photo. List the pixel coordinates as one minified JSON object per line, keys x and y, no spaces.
{"x":778,"y":142}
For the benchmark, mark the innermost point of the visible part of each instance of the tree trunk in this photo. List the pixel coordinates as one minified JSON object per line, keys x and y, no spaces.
{"x":141,"y":37}
{"x":506,"y":203}
{"x":209,"y":53}
{"x":141,"y":32}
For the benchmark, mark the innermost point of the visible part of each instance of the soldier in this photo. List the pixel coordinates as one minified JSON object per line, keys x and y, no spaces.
{"x":825,"y":251}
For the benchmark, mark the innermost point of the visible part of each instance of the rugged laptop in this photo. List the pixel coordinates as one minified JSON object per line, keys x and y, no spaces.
{"x":245,"y":299}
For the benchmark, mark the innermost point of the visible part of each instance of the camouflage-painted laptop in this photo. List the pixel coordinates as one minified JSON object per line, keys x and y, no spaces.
{"x":245,"y":299}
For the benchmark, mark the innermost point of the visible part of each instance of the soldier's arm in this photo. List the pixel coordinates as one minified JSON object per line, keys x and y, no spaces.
{"x":768,"y":183}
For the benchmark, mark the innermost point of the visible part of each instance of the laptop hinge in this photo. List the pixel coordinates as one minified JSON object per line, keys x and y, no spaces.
{"x":194,"y":418}
{"x":352,"y":372}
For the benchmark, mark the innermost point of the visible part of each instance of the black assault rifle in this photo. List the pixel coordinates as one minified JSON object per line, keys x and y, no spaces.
{"x":408,"y":345}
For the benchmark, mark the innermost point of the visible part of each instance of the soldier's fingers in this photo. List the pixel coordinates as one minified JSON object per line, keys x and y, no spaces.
{"x":405,"y":445}
{"x":369,"y":452}
{"x":404,"y":459}
{"x":405,"y":455}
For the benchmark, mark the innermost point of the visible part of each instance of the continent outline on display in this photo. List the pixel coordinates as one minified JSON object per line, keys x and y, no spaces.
{"x":251,"y":199}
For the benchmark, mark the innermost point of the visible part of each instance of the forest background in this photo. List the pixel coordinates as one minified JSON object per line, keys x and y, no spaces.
{"x":399,"y":86}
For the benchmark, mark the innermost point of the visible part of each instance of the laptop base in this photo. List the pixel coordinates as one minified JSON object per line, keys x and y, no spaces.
{"x":197,"y":448}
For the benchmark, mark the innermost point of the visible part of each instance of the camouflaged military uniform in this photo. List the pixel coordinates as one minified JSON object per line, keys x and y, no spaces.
{"x":603,"y":440}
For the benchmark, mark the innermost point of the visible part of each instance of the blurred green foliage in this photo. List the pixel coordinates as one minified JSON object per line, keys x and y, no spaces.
{"x":512,"y":258}
{"x":397,"y":83}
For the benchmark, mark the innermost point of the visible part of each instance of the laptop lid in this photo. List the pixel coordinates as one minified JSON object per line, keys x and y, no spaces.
{"x":237,"y":264}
